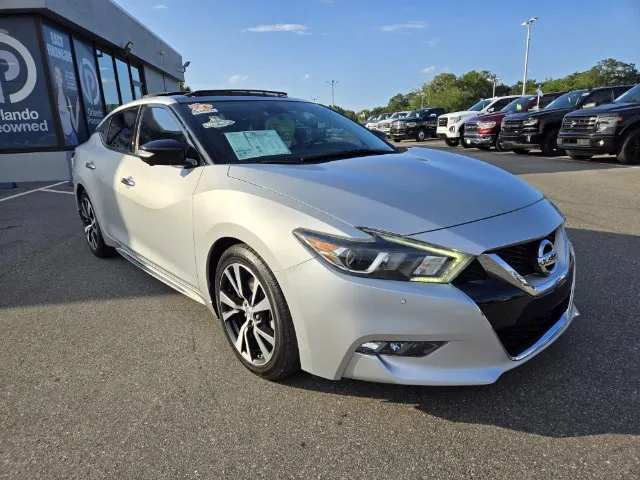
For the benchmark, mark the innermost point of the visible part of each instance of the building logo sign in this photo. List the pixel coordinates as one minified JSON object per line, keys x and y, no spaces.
{"x":89,"y":82}
{"x":14,"y":66}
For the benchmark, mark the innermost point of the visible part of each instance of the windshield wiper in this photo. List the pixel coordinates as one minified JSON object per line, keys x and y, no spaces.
{"x":357,"y":152}
{"x":280,"y":159}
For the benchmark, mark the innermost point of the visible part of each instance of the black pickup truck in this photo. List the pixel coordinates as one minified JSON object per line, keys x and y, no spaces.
{"x":522,"y":132}
{"x":612,"y":129}
{"x":419,"y":124}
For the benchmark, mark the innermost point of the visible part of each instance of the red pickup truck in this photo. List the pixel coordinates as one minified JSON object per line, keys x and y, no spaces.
{"x":482,"y":131}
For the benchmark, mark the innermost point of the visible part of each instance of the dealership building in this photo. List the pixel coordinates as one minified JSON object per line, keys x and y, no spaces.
{"x":64,"y":64}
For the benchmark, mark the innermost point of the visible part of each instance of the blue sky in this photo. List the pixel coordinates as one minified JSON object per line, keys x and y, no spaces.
{"x":379,"y":48}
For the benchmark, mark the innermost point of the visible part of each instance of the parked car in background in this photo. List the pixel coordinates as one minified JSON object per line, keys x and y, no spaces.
{"x":372,"y":122}
{"x":522,"y":132}
{"x":417,"y":125}
{"x":612,"y":129}
{"x":483,"y":130}
{"x":385,"y":125}
{"x":451,"y":125}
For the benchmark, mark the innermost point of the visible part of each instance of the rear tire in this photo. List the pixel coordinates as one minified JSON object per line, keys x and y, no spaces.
{"x":92,"y":231}
{"x":579,"y":156}
{"x":520,"y":151}
{"x":630,"y":150}
{"x":549,"y":145}
{"x":452,"y":142}
{"x":268,"y":347}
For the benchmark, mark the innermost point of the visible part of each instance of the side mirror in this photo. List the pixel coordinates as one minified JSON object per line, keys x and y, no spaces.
{"x":589,"y":105}
{"x":167,"y":151}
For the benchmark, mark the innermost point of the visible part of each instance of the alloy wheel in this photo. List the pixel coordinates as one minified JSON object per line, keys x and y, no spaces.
{"x":247,"y":314}
{"x":88,"y":217}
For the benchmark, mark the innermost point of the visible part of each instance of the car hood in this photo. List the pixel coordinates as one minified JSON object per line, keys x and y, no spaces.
{"x":490,"y":117}
{"x":463,"y":113}
{"x":405,"y":193}
{"x":541,"y":113}
{"x":608,"y":108}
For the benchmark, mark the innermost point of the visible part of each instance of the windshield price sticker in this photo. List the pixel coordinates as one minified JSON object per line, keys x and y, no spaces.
{"x":256,"y":143}
{"x":200,"y":108}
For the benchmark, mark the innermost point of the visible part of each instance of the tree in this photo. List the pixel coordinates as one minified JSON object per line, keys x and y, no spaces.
{"x":347,"y":113}
{"x":399,"y":102}
{"x":614,"y":72}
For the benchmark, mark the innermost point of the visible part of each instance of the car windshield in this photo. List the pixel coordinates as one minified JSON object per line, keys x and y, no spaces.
{"x":631,"y":96}
{"x":518,"y":105}
{"x":568,"y":100}
{"x":480,"y":105}
{"x":415,"y":114}
{"x":279,"y":131}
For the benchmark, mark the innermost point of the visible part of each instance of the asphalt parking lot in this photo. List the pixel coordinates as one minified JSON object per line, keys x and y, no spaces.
{"x":107,"y":373}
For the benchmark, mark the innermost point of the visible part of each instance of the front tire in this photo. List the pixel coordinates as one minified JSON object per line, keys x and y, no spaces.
{"x":254,"y":314}
{"x":92,"y":231}
{"x":630,"y":150}
{"x":549,"y":145}
{"x":452,"y":142}
{"x":421,"y":135}
{"x":463,"y":144}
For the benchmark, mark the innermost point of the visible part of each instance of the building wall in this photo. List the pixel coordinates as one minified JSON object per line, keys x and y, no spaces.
{"x":105,"y":19}
{"x":34,"y":166}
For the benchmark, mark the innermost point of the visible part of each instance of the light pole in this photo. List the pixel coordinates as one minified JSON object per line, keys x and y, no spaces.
{"x":493,"y":78}
{"x":333,"y":96}
{"x":527,"y":24}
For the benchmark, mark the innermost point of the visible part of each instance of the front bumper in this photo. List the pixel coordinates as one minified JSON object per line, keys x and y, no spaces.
{"x":588,"y":144}
{"x":335,"y":313}
{"x":526,"y":141}
{"x":450,"y":131}
{"x":479,"y":139}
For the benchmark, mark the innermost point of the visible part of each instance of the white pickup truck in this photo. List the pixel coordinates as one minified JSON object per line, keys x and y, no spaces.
{"x":451,"y":125}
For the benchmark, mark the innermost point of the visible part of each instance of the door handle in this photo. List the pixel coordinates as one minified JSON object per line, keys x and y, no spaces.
{"x":90,"y":165}
{"x":128,"y":181}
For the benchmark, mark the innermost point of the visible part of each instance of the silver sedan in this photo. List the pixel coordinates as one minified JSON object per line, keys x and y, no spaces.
{"x":320,"y":246}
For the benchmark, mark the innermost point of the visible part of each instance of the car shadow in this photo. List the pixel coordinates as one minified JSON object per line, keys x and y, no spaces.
{"x":587,"y":383}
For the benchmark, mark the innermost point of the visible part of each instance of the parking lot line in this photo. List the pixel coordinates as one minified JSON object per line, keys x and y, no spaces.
{"x":31,"y":191}
{"x":56,"y":191}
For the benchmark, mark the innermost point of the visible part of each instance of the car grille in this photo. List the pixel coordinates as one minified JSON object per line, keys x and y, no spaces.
{"x":521,"y":257}
{"x":442,"y":121}
{"x":517,"y":338}
{"x":511,"y":127}
{"x":578,"y":124}
{"x":471,"y":127}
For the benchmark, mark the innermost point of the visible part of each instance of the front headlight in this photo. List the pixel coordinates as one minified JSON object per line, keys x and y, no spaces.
{"x":386,"y":256}
{"x":411,"y":124}
{"x":484,"y":125}
{"x":529,"y":122}
{"x":607,"y":123}
{"x":455,"y":119}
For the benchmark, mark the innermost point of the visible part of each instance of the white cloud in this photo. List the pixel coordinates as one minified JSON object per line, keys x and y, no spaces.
{"x":306,"y":76}
{"x":430,"y":69}
{"x":433,"y":42}
{"x":160,"y":6}
{"x":237,"y":78}
{"x":399,"y":27}
{"x":281,"y":27}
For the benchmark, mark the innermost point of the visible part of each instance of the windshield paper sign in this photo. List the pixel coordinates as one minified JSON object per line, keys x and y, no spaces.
{"x":256,"y":143}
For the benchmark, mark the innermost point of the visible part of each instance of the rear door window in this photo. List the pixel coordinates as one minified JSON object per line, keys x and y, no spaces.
{"x":601,"y":97}
{"x":119,"y":134}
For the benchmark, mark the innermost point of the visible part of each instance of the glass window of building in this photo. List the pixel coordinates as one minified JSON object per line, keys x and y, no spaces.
{"x":124,"y":81}
{"x":137,"y":82}
{"x":108,"y":80}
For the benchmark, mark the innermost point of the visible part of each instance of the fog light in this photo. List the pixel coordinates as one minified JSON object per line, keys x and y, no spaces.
{"x":400,"y":349}
{"x":601,"y":143}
